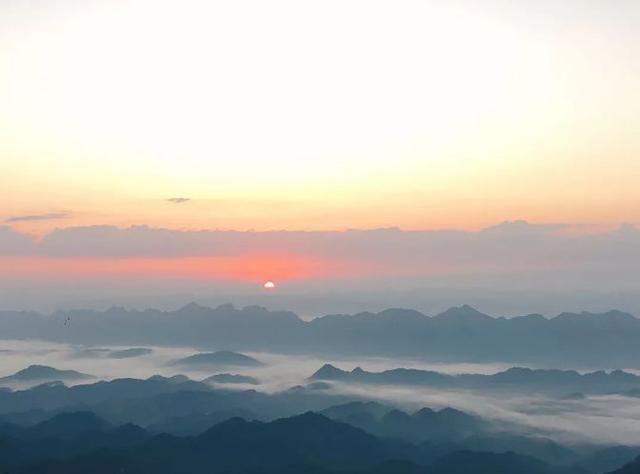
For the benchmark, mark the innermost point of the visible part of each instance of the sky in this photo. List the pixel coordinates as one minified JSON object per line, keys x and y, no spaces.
{"x":311,"y":116}
{"x":509,"y":269}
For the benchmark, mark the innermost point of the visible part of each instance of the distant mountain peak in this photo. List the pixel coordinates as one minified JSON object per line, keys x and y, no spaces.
{"x":451,"y":412}
{"x":44,"y":372}
{"x":219,"y":358}
{"x":425,"y":411}
{"x":464,"y":312}
{"x":396,"y":415}
{"x":179,"y":378}
{"x":328,"y":372}
{"x":620,"y":315}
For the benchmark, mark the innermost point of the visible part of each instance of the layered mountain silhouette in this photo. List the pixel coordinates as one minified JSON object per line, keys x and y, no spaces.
{"x":309,"y":443}
{"x":448,"y":430}
{"x":196,"y":423}
{"x":517,"y":379}
{"x":176,"y":425}
{"x":153,"y":400}
{"x":458,"y":334}
{"x":37,"y":374}
{"x":426,"y":424}
{"x":64,"y":436}
{"x":62,"y":421}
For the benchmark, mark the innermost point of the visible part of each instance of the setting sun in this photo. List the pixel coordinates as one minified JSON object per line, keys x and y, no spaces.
{"x":269,"y":285}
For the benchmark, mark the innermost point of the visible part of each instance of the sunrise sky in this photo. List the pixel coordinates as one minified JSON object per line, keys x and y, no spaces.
{"x":317,"y":115}
{"x":300,"y":115}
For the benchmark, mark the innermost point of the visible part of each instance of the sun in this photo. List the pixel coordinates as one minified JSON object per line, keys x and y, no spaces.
{"x":269,"y":285}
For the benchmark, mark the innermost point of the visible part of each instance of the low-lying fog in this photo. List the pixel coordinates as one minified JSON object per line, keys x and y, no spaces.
{"x":608,"y":418}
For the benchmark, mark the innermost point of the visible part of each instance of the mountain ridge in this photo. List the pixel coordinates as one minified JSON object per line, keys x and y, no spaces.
{"x":518,"y":379}
{"x":457,"y":335}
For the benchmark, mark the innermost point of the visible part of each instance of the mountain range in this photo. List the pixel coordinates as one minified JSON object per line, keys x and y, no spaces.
{"x":516,"y":379}
{"x":80,"y":442}
{"x":38,"y":374}
{"x":174,"y":424}
{"x":605,"y":340}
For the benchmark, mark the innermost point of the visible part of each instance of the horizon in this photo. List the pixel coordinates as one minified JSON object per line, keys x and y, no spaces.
{"x":131,"y":167}
{"x":320,"y":236}
{"x":229,"y":304}
{"x":509,"y":267}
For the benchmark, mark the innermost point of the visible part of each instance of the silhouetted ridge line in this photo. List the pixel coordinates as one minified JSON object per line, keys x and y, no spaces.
{"x":459,"y":334}
{"x":516,"y":379}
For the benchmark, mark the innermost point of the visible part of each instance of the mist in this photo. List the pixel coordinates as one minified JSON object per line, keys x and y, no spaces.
{"x":509,"y":269}
{"x":600,"y":419}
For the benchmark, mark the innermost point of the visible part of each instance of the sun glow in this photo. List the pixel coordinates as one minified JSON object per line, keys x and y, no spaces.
{"x":247,"y":268}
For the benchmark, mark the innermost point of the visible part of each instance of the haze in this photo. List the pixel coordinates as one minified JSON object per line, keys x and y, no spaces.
{"x":319,"y":237}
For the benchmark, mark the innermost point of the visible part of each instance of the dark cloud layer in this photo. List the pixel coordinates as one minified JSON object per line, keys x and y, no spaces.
{"x":179,"y":200}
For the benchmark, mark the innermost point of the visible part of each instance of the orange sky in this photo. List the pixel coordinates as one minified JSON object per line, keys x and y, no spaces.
{"x":318,"y":115}
{"x":253,"y":268}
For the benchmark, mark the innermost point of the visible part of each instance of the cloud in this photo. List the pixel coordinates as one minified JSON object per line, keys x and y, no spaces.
{"x":514,"y":268}
{"x":514,"y":256}
{"x":498,"y":250}
{"x":179,"y":200}
{"x":37,"y":217}
{"x":15,"y":243}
